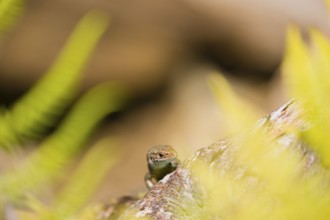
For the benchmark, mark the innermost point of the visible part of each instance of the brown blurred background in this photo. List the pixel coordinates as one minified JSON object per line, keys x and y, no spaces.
{"x":164,"y":50}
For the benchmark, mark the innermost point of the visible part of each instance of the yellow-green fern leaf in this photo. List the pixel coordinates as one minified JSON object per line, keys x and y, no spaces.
{"x":42,"y":105}
{"x":9,"y":11}
{"x":239,"y":113}
{"x":59,"y":149}
{"x":85,"y":180}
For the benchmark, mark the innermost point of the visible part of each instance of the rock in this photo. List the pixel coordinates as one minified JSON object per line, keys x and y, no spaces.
{"x":180,"y":195}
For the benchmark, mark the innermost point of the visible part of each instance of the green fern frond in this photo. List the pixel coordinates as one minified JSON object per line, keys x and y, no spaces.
{"x":283,"y":194}
{"x":254,"y":150}
{"x":69,"y":202}
{"x":306,"y":72}
{"x":9,"y":11}
{"x":47,"y":100}
{"x":298,"y":71}
{"x":58,"y":150}
{"x":239,"y":113}
{"x":85,"y":180}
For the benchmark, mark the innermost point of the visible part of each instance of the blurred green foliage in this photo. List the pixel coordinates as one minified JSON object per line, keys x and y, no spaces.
{"x":285,"y":190}
{"x":10,"y":10}
{"x":39,"y":109}
{"x":306,"y":73}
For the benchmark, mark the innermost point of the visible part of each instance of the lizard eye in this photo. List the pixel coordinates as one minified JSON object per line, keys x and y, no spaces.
{"x":161,"y":155}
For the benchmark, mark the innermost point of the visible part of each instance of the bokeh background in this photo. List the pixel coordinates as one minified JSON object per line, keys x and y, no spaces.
{"x":164,"y":51}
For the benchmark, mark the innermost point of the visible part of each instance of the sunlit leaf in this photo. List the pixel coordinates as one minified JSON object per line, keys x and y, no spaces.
{"x":9,"y":11}
{"x":45,"y":102}
{"x":85,"y":180}
{"x":239,"y":113}
{"x":297,"y":65}
{"x":60,"y":148}
{"x":306,"y":73}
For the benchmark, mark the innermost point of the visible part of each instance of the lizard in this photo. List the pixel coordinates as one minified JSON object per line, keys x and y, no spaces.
{"x":162,"y":160}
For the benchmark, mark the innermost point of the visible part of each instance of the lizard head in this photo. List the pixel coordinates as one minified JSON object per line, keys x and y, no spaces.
{"x":162,"y":156}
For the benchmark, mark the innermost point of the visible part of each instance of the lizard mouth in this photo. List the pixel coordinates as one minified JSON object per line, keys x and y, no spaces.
{"x":161,"y":161}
